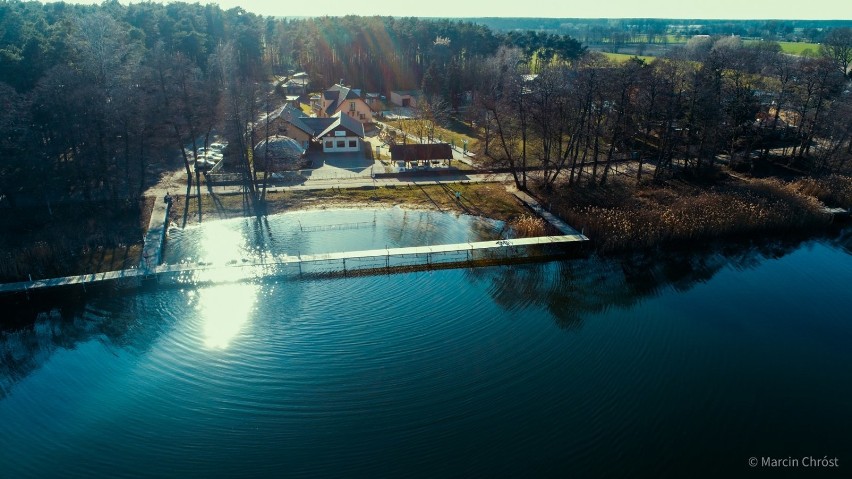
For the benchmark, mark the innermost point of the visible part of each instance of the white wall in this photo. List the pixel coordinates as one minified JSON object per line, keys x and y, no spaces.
{"x":334,"y":148}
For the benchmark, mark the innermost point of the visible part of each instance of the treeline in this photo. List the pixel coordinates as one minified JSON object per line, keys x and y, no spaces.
{"x":94,"y":98}
{"x":383,"y":53}
{"x":714,"y":98}
{"x":658,"y":30}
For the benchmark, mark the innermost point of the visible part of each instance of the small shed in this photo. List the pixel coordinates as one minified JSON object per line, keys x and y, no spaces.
{"x":405,"y":98}
{"x":421,"y":152}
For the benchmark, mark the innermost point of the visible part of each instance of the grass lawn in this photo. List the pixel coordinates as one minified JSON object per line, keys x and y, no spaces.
{"x":455,"y":131}
{"x":483,"y":199}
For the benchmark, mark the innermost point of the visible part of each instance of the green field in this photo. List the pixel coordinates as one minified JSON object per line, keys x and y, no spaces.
{"x":799,"y":48}
{"x":623,"y":57}
{"x":796,"y":48}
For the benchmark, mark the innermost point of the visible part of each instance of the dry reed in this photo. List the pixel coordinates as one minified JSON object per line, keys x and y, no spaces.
{"x":675,"y":213}
{"x":527,"y":226}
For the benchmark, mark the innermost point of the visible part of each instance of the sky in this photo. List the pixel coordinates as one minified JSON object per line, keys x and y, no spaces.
{"x":703,"y":9}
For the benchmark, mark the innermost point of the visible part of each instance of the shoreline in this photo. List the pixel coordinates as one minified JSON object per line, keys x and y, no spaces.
{"x":617,"y":218}
{"x":490,"y":200}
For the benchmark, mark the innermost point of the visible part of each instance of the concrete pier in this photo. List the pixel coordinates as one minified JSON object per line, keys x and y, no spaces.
{"x":445,"y":255}
{"x":152,"y":251}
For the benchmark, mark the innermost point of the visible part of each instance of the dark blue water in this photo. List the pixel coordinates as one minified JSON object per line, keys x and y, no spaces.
{"x":682,"y":365}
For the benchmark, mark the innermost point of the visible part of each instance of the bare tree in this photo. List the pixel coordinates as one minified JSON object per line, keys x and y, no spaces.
{"x":502,"y":99}
{"x":838,"y":47}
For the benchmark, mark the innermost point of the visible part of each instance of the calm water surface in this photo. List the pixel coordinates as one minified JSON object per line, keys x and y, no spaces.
{"x":677,"y":366}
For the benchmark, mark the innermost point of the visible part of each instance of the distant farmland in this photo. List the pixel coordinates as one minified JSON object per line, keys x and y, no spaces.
{"x":623,"y":57}
{"x":792,"y":48}
{"x":796,"y":48}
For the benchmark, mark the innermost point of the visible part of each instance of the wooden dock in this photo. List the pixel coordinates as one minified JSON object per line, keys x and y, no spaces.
{"x":387,"y":259}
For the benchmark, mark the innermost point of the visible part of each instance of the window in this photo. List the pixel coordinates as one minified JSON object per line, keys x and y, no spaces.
{"x":341,"y":144}
{"x":351,"y":106}
{"x":362,"y":116}
{"x":353,"y":144}
{"x":329,"y":144}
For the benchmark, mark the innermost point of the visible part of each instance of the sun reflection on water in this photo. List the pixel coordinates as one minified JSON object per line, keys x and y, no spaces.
{"x":222,"y":248}
{"x":224,"y":310}
{"x":222,"y":243}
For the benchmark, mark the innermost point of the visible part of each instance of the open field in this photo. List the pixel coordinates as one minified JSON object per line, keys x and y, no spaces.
{"x":799,"y":48}
{"x":623,"y":57}
{"x":795,"y":48}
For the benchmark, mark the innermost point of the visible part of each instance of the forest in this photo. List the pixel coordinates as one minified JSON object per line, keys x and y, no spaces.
{"x":95,"y":97}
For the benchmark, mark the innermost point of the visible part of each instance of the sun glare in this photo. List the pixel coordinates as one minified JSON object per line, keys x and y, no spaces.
{"x":222,"y":243}
{"x":224,"y":310}
{"x":222,"y":253}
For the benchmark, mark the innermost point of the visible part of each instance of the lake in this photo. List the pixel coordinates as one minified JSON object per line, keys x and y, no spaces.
{"x":677,"y":365}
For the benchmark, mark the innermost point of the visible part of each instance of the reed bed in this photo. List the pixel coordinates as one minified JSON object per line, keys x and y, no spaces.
{"x":833,"y":190}
{"x":527,"y":226}
{"x":679,"y":213}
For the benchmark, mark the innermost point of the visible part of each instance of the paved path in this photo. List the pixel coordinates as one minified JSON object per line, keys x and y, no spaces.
{"x":562,"y":226}
{"x":152,"y":249}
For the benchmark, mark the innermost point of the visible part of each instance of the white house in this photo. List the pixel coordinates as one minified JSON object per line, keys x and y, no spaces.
{"x":344,"y":134}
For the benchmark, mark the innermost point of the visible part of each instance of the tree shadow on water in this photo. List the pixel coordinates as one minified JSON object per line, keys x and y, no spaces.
{"x":572,"y":290}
